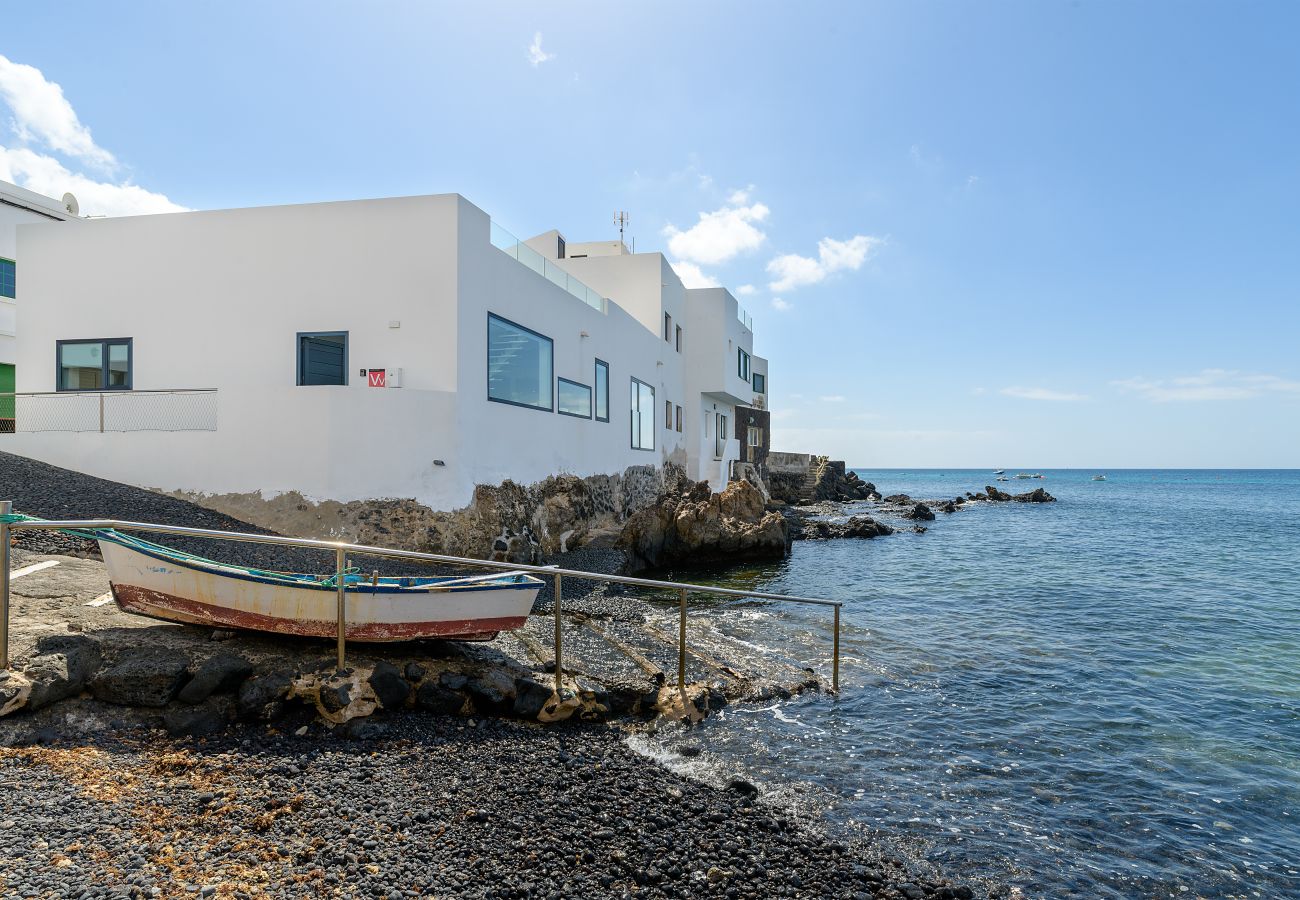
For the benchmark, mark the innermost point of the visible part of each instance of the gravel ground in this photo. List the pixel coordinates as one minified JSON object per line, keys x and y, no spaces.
{"x":433,"y":807}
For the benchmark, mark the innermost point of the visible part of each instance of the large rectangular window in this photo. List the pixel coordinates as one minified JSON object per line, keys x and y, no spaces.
{"x":760,"y":383}
{"x":720,"y":437}
{"x":643,"y":416}
{"x":742,"y":363}
{"x":573,"y":399}
{"x":679,"y":418}
{"x":100,"y":365}
{"x":520,"y":365}
{"x":322,"y":357}
{"x":8,"y":278}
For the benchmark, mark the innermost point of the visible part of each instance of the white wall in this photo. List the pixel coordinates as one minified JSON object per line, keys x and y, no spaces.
{"x":216,"y":300}
{"x":39,"y":209}
{"x":503,"y":441}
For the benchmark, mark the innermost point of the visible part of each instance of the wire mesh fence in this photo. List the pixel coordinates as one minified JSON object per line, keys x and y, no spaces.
{"x":102,"y":411}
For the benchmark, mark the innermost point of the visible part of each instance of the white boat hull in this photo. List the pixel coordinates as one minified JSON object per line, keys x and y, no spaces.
{"x":228,"y":597}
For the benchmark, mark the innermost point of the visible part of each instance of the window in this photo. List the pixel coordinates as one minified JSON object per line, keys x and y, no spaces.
{"x":573,"y":399}
{"x":8,"y":278}
{"x":102,"y":365}
{"x":602,"y":391}
{"x":720,"y":436}
{"x":559,"y":247}
{"x":679,"y":418}
{"x":679,"y":339}
{"x":668,"y":415}
{"x":754,"y":437}
{"x":322,"y":357}
{"x":520,"y":363}
{"x":760,"y":383}
{"x":742,"y":363}
{"x":668,"y":327}
{"x":643,"y":416}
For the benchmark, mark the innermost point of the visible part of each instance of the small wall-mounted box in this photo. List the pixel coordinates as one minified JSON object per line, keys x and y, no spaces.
{"x":383,"y":378}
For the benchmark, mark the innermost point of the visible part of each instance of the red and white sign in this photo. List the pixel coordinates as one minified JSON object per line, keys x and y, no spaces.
{"x":376,"y":377}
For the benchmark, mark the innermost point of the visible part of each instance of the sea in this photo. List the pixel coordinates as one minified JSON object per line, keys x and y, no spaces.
{"x":1097,"y":697}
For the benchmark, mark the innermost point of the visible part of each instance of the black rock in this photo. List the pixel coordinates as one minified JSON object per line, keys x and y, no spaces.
{"x":742,"y":787}
{"x":335,"y":695}
{"x":143,"y":678}
{"x":61,"y":667}
{"x":208,"y":717}
{"x":262,"y":696}
{"x":898,"y":498}
{"x":453,"y":680}
{"x":690,"y":750}
{"x":1037,"y":495}
{"x":530,"y":698}
{"x":435,"y":697}
{"x":920,"y":511}
{"x":221,"y":673}
{"x":492,"y":693}
{"x":389,"y":685}
{"x":414,"y":671}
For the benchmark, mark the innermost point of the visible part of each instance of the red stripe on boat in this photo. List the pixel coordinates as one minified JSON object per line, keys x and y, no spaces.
{"x":180,"y":609}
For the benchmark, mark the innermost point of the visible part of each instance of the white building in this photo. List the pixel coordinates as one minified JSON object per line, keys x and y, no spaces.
{"x":406,"y":347}
{"x":18,"y":206}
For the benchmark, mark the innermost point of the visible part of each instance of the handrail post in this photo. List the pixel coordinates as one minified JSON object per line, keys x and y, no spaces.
{"x":101,"y":413}
{"x":559,"y":641}
{"x":342,"y":586}
{"x":6,"y":507}
{"x":835,"y":665}
{"x":681,"y":649}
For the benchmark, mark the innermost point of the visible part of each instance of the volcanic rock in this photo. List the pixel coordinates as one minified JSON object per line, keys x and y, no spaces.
{"x":150,"y":678}
{"x":220,"y":673}
{"x":61,"y":667}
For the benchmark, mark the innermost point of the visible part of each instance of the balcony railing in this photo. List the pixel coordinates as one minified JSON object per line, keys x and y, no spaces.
{"x":514,"y":248}
{"x":8,"y":316}
{"x":171,"y":410}
{"x":745,"y":318}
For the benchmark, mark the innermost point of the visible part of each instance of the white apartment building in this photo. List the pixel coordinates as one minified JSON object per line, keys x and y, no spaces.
{"x":18,"y":206}
{"x":404,"y":347}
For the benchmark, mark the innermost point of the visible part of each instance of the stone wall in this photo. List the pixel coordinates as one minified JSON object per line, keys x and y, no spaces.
{"x":508,"y":521}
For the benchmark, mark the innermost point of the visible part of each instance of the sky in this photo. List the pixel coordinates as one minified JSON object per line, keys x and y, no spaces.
{"x":994,"y":234}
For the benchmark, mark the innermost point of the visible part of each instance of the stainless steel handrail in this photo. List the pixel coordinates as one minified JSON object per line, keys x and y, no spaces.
{"x":341,"y":549}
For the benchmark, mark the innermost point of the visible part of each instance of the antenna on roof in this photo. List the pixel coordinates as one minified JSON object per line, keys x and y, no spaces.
{"x":621,"y":220}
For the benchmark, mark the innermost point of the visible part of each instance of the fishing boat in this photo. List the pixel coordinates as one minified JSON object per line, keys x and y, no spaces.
{"x":1002,"y":478}
{"x":999,"y":471}
{"x":1024,"y":475}
{"x":1099,"y":478}
{"x":169,"y":584}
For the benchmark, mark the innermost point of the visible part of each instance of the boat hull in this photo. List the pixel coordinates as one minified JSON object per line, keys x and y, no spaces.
{"x":173,"y":591}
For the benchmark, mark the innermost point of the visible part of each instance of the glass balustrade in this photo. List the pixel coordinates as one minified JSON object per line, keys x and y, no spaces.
{"x":516,"y":249}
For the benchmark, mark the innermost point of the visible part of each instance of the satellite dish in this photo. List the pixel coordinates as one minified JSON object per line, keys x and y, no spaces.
{"x":71,"y":205}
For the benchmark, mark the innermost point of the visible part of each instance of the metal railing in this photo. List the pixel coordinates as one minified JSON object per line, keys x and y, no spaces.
{"x":516,"y":249}
{"x":745,"y":318}
{"x":342,"y":550}
{"x":181,"y":409}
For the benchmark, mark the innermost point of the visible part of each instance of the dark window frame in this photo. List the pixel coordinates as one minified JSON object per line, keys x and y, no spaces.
{"x":595,"y":382}
{"x":759,"y":376}
{"x":14,"y":263}
{"x":591,"y":398}
{"x":742,"y":364}
{"x":679,"y":420}
{"x":105,"y":343}
{"x":487,"y":364}
{"x":633,"y":415}
{"x":298,"y":353}
{"x":668,"y":326}
{"x":679,"y":339}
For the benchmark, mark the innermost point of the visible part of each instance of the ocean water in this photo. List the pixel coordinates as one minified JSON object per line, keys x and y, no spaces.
{"x":1098,"y":697}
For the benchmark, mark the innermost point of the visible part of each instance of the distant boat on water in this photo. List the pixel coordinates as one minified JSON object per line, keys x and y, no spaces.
{"x":999,"y":471}
{"x":1003,"y":478}
{"x":1027,"y":475}
{"x":1099,"y":478}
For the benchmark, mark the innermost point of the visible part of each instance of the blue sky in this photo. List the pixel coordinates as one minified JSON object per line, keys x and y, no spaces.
{"x":1027,"y":234}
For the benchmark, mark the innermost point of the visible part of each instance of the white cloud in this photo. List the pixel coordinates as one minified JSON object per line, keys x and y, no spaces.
{"x":693,"y":276}
{"x":792,"y":270}
{"x":46,"y":175}
{"x":722,"y":234}
{"x":781,"y":305}
{"x":746,"y":290}
{"x":1027,"y":393}
{"x":1208,"y":384}
{"x":41,"y":113}
{"x":536,"y":55}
